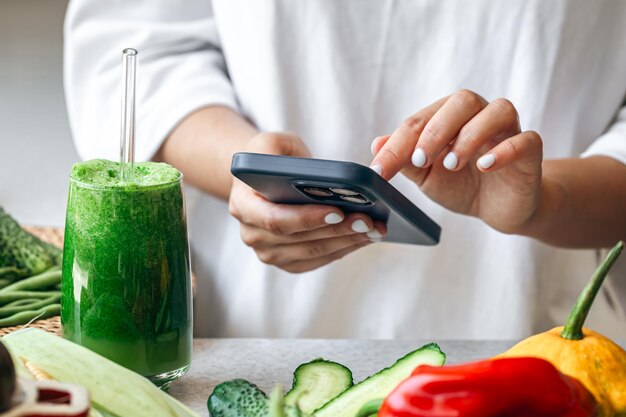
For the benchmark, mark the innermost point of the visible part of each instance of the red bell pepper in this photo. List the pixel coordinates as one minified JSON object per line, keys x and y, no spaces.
{"x":511,"y":387}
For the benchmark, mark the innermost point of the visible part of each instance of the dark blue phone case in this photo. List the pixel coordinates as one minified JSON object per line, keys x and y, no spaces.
{"x":351,"y":187}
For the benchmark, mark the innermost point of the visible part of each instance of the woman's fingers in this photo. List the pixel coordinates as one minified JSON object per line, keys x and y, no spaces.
{"x":284,"y":234}
{"x":378,"y":143}
{"x":257,"y":237}
{"x":285,"y":254}
{"x":309,"y":254}
{"x":444,"y":127}
{"x":298,"y":267}
{"x":378,"y":232}
{"x":459,"y":126}
{"x":525,"y":148}
{"x":423,"y":136}
{"x":398,"y":149}
{"x":249,"y":207}
{"x":456,"y":138}
{"x":498,"y":121}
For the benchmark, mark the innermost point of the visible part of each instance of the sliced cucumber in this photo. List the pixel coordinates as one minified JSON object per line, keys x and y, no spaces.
{"x":317,"y":382}
{"x":380,"y":384}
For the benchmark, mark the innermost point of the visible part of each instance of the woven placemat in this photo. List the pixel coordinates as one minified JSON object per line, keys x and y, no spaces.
{"x":52,"y":325}
{"x":53,"y":235}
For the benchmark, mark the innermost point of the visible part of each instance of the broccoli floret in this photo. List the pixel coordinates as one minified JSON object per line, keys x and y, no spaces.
{"x":238,"y":398}
{"x":22,"y":251}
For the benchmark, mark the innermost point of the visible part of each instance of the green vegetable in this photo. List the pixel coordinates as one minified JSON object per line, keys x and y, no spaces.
{"x":35,"y":304}
{"x":22,"y":251}
{"x":24,"y":317}
{"x":314,"y":383}
{"x":23,"y":302}
{"x":277,"y":403}
{"x":238,"y":398}
{"x":19,"y":304}
{"x":380,"y":384}
{"x":47,"y":279}
{"x":9,"y":297}
{"x":11,"y":273}
{"x":323,"y":386}
{"x":28,"y":267}
{"x":317,"y":382}
{"x":370,"y":408}
{"x":115,"y":391}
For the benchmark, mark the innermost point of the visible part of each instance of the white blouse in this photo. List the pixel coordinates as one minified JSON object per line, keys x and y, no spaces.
{"x":339,"y":73}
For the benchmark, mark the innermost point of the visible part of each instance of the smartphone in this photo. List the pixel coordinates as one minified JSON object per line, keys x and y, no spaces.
{"x":352,"y":187}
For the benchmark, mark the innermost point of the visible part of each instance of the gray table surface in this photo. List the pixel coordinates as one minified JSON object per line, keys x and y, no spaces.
{"x":267,"y":362}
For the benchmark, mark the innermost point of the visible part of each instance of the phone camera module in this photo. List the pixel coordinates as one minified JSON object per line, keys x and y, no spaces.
{"x":333,"y":194}
{"x":318,"y":192}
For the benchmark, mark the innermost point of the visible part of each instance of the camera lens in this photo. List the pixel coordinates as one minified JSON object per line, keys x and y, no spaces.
{"x":358,"y":199}
{"x":318,"y":192}
{"x":343,"y":191}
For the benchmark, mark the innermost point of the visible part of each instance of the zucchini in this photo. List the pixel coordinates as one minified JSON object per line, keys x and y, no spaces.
{"x":317,"y":382}
{"x":380,"y":384}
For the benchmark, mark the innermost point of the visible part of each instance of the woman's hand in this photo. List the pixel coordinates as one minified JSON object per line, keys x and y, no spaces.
{"x":296,"y":238}
{"x":470,"y":156}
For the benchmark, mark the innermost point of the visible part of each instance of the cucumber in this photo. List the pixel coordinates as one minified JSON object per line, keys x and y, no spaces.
{"x":380,"y":384}
{"x":317,"y":382}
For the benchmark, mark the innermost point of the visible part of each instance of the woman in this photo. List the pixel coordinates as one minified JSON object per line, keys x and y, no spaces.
{"x":218,"y":77}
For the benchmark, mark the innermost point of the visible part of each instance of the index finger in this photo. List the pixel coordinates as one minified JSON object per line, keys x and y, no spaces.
{"x":398,"y":149}
{"x":251,"y":208}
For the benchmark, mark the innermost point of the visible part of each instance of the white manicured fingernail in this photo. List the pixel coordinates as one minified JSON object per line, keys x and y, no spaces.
{"x":377,"y":169}
{"x":372,"y":147}
{"x":360,"y":226}
{"x":486,"y":161}
{"x":333,"y":218}
{"x":419,"y":158}
{"x":374,"y":234}
{"x":450,"y":161}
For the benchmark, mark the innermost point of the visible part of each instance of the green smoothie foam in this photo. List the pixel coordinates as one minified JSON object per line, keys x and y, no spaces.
{"x":104,"y":173}
{"x":126,"y":284}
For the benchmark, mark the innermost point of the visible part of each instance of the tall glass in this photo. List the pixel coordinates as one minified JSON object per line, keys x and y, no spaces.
{"x":126,"y":279}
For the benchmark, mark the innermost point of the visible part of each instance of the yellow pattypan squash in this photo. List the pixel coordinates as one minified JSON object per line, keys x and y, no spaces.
{"x":596,"y":361}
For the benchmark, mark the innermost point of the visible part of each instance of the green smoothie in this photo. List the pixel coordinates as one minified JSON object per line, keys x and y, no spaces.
{"x":126,"y":280}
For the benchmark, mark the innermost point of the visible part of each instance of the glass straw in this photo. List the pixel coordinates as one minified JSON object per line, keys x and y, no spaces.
{"x":127,"y":135}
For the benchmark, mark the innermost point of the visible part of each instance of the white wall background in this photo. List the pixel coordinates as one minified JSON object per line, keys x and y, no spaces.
{"x":36,"y":149}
